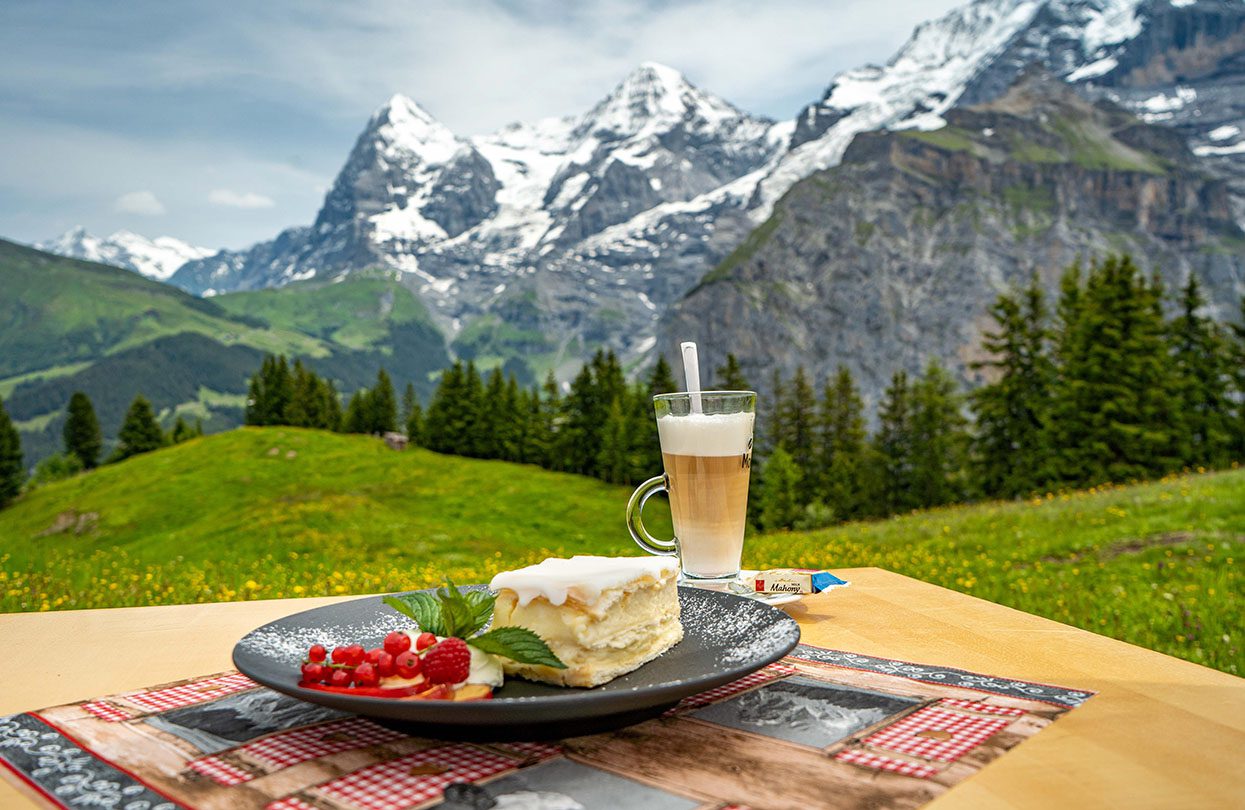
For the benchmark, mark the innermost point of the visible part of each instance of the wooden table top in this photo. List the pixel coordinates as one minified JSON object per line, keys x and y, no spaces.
{"x":1160,"y":733}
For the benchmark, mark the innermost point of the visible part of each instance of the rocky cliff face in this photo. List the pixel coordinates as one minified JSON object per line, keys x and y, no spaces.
{"x":894,"y":256}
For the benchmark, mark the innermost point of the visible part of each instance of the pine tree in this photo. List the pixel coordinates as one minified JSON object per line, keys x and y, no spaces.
{"x":182,"y":431}
{"x":730,"y":377}
{"x":798,"y":417}
{"x":82,"y":434}
{"x":579,"y":434}
{"x":842,"y":445}
{"x":409,"y":402}
{"x":515,"y":416}
{"x":330,"y":406}
{"x":1237,"y":355}
{"x":612,"y":462}
{"x":140,"y":433}
{"x":440,"y":422}
{"x":494,"y":421}
{"x":301,"y":410}
{"x":357,"y":417}
{"x":940,"y":439}
{"x":415,"y":423}
{"x":269,"y":393}
{"x":1116,"y":413}
{"x":891,"y":459}
{"x":778,"y":500}
{"x":1013,"y":411}
{"x":1202,"y":367}
{"x":12,"y":472}
{"x":772,"y":433}
{"x":546,"y":443}
{"x":661,"y":378}
{"x":383,"y":405}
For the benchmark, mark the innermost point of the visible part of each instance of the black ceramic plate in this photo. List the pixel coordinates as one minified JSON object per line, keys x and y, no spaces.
{"x":724,"y":637}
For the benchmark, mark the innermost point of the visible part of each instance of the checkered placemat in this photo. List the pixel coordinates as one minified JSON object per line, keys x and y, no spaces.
{"x":980,"y":708}
{"x":169,"y":698}
{"x":881,"y":763}
{"x":936,"y":734}
{"x":403,"y":782}
{"x":762,"y":676}
{"x":289,"y":748}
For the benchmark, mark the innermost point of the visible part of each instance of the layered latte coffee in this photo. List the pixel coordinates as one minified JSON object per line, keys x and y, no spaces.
{"x":707,"y":459}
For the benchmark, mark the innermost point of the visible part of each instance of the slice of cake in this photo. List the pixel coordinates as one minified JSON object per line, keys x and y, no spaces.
{"x":602,"y":616}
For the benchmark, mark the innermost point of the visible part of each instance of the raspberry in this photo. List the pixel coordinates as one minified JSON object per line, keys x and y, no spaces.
{"x":448,"y":662}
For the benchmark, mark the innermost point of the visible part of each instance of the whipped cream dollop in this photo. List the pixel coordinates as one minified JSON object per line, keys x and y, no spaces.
{"x":582,"y":577}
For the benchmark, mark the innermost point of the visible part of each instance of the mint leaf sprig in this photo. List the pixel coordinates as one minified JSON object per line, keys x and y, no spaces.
{"x":450,"y":612}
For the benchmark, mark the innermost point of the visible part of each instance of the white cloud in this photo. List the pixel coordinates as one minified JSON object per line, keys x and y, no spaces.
{"x":143,"y":203}
{"x":240,"y":199}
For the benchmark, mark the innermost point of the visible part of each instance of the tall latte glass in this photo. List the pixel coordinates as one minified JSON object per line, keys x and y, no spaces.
{"x":707,"y":453}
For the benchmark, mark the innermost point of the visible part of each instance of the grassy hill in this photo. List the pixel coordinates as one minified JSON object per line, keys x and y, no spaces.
{"x":264,"y":513}
{"x":69,"y":325}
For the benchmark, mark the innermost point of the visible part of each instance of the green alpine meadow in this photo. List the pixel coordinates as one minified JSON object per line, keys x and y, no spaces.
{"x":262,"y":513}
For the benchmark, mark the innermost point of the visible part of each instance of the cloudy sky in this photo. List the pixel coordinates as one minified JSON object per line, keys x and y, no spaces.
{"x":221,"y":123}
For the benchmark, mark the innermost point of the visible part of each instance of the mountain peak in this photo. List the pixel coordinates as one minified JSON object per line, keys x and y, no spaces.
{"x":400,"y":122}
{"x":654,"y":97}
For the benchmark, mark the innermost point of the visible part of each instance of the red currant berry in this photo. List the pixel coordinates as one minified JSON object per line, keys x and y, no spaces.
{"x":373,"y":655}
{"x":408,"y":664}
{"x":397,"y":643}
{"x":312,"y":672}
{"x":317,"y":653}
{"x":448,"y":662}
{"x":425,"y":641}
{"x":340,"y":655}
{"x":365,"y":675}
{"x":340,"y":677}
{"x":354,"y":654}
{"x":385,"y":666}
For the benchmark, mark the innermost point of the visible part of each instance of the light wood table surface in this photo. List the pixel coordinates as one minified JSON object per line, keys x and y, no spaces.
{"x":1161,"y":732}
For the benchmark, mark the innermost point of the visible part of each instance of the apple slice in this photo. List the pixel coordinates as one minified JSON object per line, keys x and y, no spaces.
{"x":473,"y":691}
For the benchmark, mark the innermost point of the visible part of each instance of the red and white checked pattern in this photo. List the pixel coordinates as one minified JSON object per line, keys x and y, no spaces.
{"x":106,"y":711}
{"x":289,"y":748}
{"x":190,"y":694}
{"x":220,"y":771}
{"x":402,"y":782}
{"x":770,"y":673}
{"x":881,"y":763}
{"x":981,"y":708}
{"x":966,"y":733}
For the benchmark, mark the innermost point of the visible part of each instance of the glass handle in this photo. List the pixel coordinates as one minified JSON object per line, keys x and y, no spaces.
{"x":635,"y":519}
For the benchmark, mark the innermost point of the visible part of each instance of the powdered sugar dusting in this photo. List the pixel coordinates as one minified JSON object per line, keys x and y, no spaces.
{"x":288,"y":645}
{"x":738,"y":631}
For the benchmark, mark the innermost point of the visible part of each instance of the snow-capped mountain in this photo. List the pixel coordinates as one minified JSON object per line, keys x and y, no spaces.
{"x":549,"y":239}
{"x":577,"y":230}
{"x":1176,"y":61}
{"x":157,"y":258}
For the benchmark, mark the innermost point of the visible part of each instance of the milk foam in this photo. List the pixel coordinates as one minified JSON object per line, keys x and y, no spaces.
{"x":582,"y":577}
{"x":699,"y":434}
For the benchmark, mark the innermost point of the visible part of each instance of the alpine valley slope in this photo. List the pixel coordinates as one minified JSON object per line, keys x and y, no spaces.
{"x":894,"y":256}
{"x":68,"y":325}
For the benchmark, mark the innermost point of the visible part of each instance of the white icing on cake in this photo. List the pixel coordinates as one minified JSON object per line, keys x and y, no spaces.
{"x":698,"y":434}
{"x":583,"y":578}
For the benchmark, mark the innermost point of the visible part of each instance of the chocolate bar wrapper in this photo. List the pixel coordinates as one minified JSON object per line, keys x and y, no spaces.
{"x":795,"y":580}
